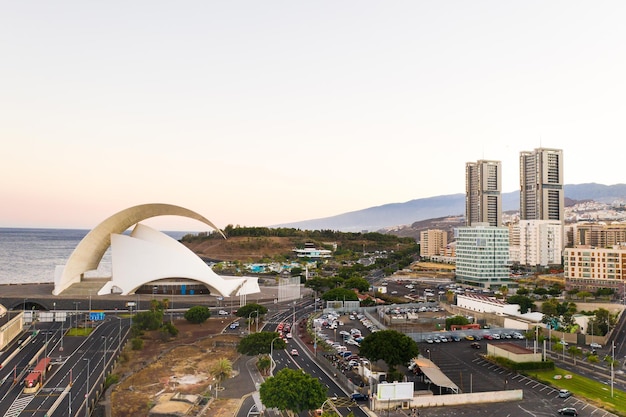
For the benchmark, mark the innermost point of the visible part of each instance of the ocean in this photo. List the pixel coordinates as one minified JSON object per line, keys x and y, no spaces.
{"x":31,"y":255}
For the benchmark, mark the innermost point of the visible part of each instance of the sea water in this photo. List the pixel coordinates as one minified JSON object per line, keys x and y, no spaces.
{"x":32,"y":255}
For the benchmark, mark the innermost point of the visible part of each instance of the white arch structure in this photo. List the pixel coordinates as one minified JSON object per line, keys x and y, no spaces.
{"x":145,"y":256}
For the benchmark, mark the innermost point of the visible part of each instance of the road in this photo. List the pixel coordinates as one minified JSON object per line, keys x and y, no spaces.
{"x":77,"y":374}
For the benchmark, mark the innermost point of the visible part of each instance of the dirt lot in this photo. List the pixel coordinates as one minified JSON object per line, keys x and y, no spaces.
{"x":180,"y":365}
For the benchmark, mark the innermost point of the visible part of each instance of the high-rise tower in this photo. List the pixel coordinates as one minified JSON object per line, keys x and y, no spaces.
{"x":541,"y":185}
{"x":483,"y":196}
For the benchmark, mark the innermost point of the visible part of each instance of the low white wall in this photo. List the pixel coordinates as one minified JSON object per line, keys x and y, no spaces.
{"x":451,"y":399}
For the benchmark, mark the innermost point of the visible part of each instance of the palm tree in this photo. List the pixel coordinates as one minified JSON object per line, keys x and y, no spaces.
{"x":222,"y":370}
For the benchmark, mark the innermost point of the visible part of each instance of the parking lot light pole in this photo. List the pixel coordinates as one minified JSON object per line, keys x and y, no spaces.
{"x":272,"y":355}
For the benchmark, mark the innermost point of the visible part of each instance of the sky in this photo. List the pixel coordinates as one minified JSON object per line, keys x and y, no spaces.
{"x":255,"y":113}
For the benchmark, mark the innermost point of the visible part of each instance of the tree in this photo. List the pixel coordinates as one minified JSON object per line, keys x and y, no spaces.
{"x":525,"y":303}
{"x":197,"y":314}
{"x":359,"y":283}
{"x":522,"y":291}
{"x":252,"y":308}
{"x":292,"y":390}
{"x":260,"y":343}
{"x":456,"y":320}
{"x":337,"y":294}
{"x":391,"y":346}
{"x":317,"y":284}
{"x":549,"y":307}
{"x":221,"y":370}
{"x":263,"y":364}
{"x":148,"y":320}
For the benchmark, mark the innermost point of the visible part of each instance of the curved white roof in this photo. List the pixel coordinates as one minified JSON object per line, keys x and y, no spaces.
{"x":146,"y":255}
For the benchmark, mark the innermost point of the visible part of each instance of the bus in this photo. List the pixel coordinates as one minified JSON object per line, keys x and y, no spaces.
{"x":34,"y":380}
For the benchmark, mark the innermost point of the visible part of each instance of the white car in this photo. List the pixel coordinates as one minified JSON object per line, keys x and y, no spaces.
{"x":223,"y":313}
{"x":595,"y":345}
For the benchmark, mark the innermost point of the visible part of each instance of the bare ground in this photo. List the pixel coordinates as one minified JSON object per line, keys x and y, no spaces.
{"x":180,"y":365}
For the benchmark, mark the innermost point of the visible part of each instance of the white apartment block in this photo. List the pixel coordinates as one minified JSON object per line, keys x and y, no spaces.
{"x":433,"y":242}
{"x":482,"y":256}
{"x":590,"y":268}
{"x":541,"y":242}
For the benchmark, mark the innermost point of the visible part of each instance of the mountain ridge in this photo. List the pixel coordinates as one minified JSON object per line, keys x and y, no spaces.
{"x":438,"y":207}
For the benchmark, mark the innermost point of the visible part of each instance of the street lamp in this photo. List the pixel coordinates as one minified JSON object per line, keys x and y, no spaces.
{"x":104,"y":354}
{"x":370,"y":378}
{"x":272,"y":355}
{"x":250,"y":318}
{"x":612,"y":360}
{"x":330,"y":401}
{"x":428,"y":351}
{"x":76,"y":304}
{"x":87,"y":389}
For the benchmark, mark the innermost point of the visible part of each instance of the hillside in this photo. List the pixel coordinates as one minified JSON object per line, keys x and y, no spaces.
{"x":407,"y":213}
{"x":249,"y":249}
{"x":245,"y":249}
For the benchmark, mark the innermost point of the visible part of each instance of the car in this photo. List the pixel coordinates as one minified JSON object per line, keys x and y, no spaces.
{"x":429,"y":340}
{"x":469,"y":337}
{"x":294,"y":352}
{"x":568,"y":411}
{"x":475,"y":345}
{"x":595,"y":346}
{"x":223,"y":313}
{"x":357,"y":396}
{"x":564,"y":393}
{"x":233,"y":325}
{"x":353,"y":363}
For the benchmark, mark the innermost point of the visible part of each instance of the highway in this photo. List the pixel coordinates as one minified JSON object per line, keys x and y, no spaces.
{"x":77,"y":375}
{"x":337,"y":397}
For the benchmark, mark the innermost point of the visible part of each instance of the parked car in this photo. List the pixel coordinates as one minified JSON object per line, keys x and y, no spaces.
{"x":564,"y":393}
{"x":568,"y":411}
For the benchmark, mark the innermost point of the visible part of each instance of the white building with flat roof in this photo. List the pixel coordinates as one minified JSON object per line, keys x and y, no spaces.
{"x":541,"y":242}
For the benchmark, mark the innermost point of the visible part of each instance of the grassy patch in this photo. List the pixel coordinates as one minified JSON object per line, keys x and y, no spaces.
{"x":80,"y":331}
{"x":596,"y":392}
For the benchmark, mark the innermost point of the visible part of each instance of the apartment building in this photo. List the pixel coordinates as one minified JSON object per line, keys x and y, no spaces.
{"x":590,"y":268}
{"x":483,"y":193}
{"x":541,"y":185}
{"x":600,"y":235}
{"x":433,"y":242}
{"x":541,"y":242}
